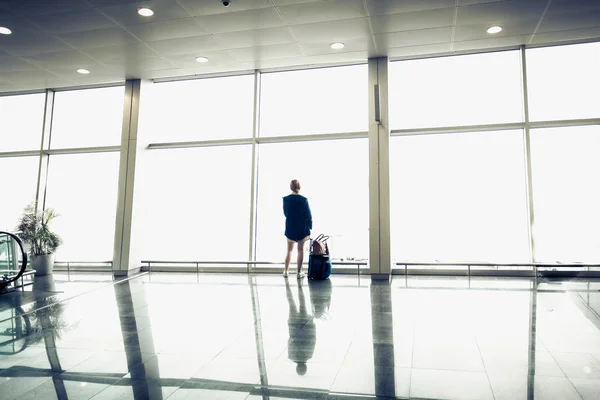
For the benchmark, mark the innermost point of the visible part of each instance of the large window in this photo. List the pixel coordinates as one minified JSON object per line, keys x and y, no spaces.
{"x":459,"y":197}
{"x":196,"y":204}
{"x":203,"y":109}
{"x":566,"y":193}
{"x":83,"y":190}
{"x":87,"y":118}
{"x":334,"y":176}
{"x":21,"y":122}
{"x":452,"y":91}
{"x":564,"y":82}
{"x":18,"y":177}
{"x":324,"y":100}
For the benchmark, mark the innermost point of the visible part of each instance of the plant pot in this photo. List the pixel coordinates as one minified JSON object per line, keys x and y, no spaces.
{"x":43,"y":264}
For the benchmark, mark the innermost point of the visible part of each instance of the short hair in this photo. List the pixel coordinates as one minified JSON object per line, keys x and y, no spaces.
{"x":295,"y":185}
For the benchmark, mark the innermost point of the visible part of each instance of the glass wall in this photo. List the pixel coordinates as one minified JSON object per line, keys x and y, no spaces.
{"x":334,"y":176}
{"x":566,"y":193}
{"x":459,"y":197}
{"x":203,"y":109}
{"x":455,"y":196}
{"x":18,"y":178}
{"x":454,"y":91}
{"x":87,"y":118}
{"x":563,"y":82}
{"x":21,"y":122}
{"x":323,"y":100}
{"x":82,"y":188}
{"x":197,"y":204}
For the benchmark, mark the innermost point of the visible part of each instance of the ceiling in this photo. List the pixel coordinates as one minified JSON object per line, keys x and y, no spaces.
{"x":51,"y":39}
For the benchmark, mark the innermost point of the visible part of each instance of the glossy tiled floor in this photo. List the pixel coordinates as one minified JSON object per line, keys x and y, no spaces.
{"x":179,"y":336}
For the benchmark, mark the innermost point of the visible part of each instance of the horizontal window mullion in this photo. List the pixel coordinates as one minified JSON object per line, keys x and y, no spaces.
{"x":459,"y":129}
{"x":24,"y":153}
{"x":79,"y":150}
{"x":564,"y":123}
{"x":200,"y":143}
{"x":321,"y":136}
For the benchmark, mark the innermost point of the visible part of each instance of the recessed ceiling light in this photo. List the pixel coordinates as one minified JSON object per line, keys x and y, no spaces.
{"x":5,"y":31}
{"x":83,"y":71}
{"x":202,"y":59}
{"x":145,"y":12}
{"x":337,"y":46}
{"x":494,"y":29}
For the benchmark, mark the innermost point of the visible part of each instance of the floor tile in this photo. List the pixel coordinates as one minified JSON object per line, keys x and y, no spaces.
{"x":462,"y":385}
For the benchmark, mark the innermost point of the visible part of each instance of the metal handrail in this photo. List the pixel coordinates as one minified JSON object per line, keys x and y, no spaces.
{"x":23,"y":262}
{"x":534,"y":266}
{"x":149,"y":263}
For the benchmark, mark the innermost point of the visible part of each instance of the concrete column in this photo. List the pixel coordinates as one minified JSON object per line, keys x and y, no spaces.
{"x":126,"y":258}
{"x":379,"y":171}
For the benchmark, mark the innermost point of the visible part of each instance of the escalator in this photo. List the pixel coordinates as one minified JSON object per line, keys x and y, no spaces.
{"x":13,"y":260}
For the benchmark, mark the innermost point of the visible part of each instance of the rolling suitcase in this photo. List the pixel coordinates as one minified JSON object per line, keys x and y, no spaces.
{"x":319,"y":266}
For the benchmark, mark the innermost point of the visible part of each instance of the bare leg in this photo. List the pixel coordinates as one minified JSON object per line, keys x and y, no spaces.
{"x":288,"y":255}
{"x":300,"y":254}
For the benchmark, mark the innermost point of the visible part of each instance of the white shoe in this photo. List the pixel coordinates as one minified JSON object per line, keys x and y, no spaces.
{"x":285,"y":274}
{"x":301,"y":275}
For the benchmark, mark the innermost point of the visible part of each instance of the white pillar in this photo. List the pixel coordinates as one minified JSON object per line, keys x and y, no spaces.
{"x":379,"y":171}
{"x":126,"y":258}
{"x":40,"y":195}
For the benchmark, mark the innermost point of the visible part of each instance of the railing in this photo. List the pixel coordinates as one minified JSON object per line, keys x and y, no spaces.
{"x":468,"y":265}
{"x":69,"y":264}
{"x":148,"y":264}
{"x":15,"y":267}
{"x":533,"y":266}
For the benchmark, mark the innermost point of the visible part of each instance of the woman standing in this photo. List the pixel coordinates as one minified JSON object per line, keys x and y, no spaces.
{"x":298,"y":223}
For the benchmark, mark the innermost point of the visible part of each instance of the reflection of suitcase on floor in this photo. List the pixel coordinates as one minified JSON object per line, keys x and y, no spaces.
{"x":319,"y":266}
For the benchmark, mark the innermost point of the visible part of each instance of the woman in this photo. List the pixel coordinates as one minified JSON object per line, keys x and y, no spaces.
{"x":298,"y":223}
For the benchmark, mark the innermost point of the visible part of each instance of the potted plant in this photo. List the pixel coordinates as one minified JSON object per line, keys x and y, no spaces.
{"x":34,"y":230}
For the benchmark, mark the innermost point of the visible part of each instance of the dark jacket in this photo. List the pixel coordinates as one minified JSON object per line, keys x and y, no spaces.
{"x":298,"y":218}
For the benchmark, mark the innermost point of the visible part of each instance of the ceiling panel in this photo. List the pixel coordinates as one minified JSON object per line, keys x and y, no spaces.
{"x":163,"y":30}
{"x":286,"y":50}
{"x":54,"y":38}
{"x":413,"y":20}
{"x":320,"y":11}
{"x":195,"y":44}
{"x":352,"y":45}
{"x":334,"y":31}
{"x":478,"y":31}
{"x":215,"y":58}
{"x":563,"y":22}
{"x":569,"y":6}
{"x":131,"y":66}
{"x":10,"y":63}
{"x":126,"y":14}
{"x":501,"y":11}
{"x":566,"y":36}
{"x":72,"y":21}
{"x":208,"y":7}
{"x":491,"y":43}
{"x":98,"y":38}
{"x":377,"y":7}
{"x":242,"y":20}
{"x":68,"y":59}
{"x":118,"y":53}
{"x":471,"y":2}
{"x":413,"y":38}
{"x":38,"y":7}
{"x":288,"y":2}
{"x":412,"y":51}
{"x":256,"y":37}
{"x":34,"y":44}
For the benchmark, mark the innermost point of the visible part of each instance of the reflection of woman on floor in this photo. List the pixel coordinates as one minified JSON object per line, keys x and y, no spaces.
{"x":302,"y":330}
